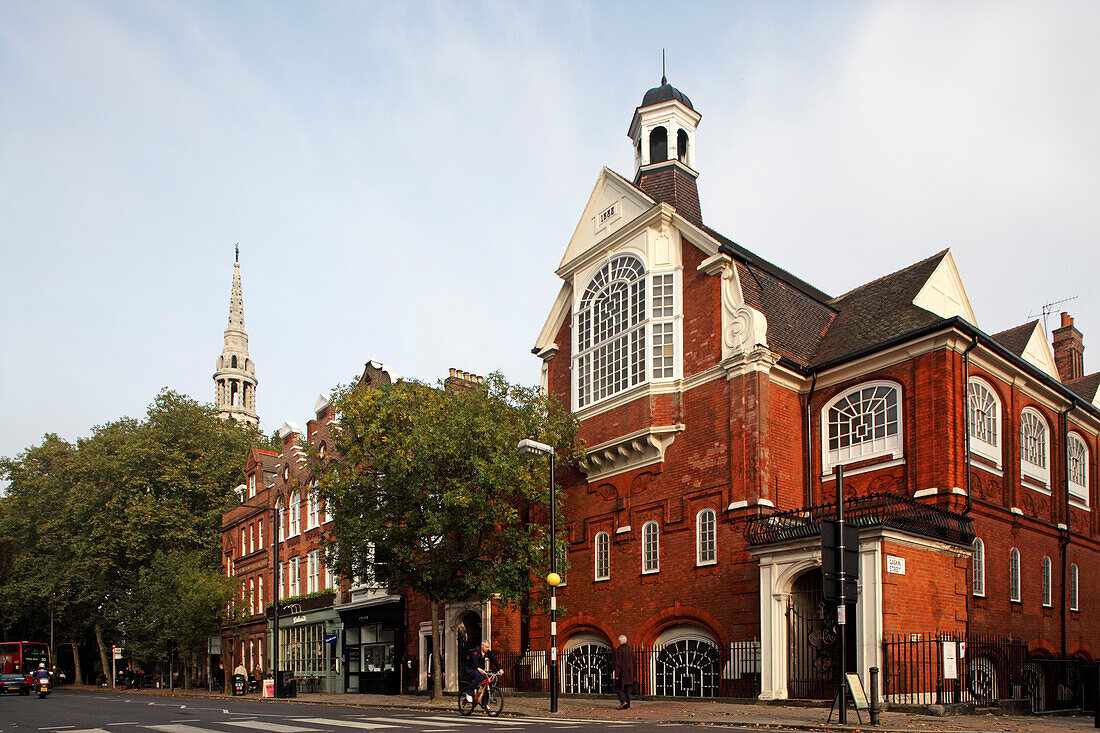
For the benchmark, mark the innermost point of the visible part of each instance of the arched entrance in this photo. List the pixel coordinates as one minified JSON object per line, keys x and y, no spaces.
{"x":813,"y":642}
{"x":586,"y":667}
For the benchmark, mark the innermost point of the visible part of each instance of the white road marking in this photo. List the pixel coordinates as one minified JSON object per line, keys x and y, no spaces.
{"x":85,"y":730}
{"x":57,"y":727}
{"x":399,"y":722}
{"x":482,"y":720}
{"x":178,"y":728}
{"x":343,"y":723}
{"x":264,"y":725}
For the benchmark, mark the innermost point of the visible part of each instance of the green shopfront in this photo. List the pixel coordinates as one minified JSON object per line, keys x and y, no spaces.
{"x":310,"y":643}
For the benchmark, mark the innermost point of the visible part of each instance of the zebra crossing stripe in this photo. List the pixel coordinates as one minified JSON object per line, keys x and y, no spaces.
{"x":362,"y":725}
{"x":267,"y":726}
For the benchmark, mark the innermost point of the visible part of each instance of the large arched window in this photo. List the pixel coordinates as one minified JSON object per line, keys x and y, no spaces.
{"x":295,"y":514}
{"x":1078,"y":470}
{"x":706,"y":538}
{"x":651,"y":548}
{"x":686,"y":663}
{"x":1046,"y":580}
{"x":862,"y":423}
{"x":1073,"y":587}
{"x":984,"y":415}
{"x":586,"y":666}
{"x":603,"y":556}
{"x":979,"y":567}
{"x":1014,"y":575}
{"x":617,"y":327}
{"x":1034,"y":449}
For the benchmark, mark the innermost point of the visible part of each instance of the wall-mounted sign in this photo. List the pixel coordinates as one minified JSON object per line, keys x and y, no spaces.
{"x":895,"y":565}
{"x":298,"y":620}
{"x":330,"y":638}
{"x":950,"y":661}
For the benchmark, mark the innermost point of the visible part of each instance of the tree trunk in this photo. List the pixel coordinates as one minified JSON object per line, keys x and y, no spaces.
{"x":78,"y":678}
{"x":103,"y":658}
{"x":437,"y":663}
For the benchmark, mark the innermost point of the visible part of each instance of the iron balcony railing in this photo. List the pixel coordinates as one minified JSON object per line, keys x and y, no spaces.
{"x":875,"y":510}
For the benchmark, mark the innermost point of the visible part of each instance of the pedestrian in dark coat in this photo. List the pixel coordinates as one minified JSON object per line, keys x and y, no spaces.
{"x":622,"y":666}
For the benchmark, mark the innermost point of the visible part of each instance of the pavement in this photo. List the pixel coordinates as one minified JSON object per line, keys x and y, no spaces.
{"x":681,"y":711}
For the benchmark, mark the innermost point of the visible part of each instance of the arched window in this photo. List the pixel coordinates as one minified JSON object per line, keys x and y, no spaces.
{"x":979,"y":567}
{"x":312,"y":504}
{"x":1046,"y":580}
{"x":295,"y":514}
{"x":658,"y":145}
{"x":686,"y":663}
{"x":1073,"y":580}
{"x":1034,"y":449}
{"x":603,"y":556}
{"x":233,"y":361}
{"x":586,"y":666}
{"x":651,"y":548}
{"x":1078,"y":470}
{"x":682,"y":146}
{"x":706,"y":538}
{"x":984,"y":414}
{"x":863,"y":423}
{"x":280,"y":519}
{"x":1014,"y":575}
{"x":614,"y":327}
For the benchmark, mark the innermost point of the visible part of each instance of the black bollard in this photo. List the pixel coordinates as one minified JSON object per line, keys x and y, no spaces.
{"x":876,"y":704}
{"x":1096,"y":719}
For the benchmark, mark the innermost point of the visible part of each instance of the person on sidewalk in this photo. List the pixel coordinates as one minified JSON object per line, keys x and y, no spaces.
{"x":622,"y":673}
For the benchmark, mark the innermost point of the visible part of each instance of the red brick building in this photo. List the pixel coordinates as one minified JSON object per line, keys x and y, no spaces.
{"x":717,"y":393}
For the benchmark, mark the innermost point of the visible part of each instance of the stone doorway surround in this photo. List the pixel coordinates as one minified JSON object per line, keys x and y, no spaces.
{"x":780,"y":566}
{"x":451,"y":617}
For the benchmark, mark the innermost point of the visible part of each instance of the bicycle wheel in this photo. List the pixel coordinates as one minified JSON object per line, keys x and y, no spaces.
{"x":465,"y":705}
{"x":495,"y":702}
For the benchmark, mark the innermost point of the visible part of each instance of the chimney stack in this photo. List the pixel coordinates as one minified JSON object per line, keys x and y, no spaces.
{"x":1069,"y":350}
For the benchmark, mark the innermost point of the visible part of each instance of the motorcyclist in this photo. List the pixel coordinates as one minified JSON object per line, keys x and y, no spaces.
{"x":41,"y":673}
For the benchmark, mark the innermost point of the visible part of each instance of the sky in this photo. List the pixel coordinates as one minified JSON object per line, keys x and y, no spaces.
{"x":403,"y":178}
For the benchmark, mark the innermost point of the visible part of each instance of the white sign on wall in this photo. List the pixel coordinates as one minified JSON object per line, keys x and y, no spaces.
{"x":950,"y":666}
{"x":895,"y":565}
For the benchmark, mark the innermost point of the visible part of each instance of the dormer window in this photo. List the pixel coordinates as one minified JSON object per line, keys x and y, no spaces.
{"x":617,"y":327}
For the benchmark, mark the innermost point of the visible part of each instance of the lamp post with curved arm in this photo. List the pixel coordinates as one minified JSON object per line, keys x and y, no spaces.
{"x":535,"y":448}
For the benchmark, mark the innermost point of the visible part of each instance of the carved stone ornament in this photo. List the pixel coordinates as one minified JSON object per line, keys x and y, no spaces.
{"x":744,"y":329}
{"x":636,"y":450}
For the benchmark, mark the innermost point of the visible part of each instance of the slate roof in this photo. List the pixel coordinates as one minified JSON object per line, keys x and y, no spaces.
{"x":1086,"y":386}
{"x":1015,"y":339}
{"x":879,"y":311}
{"x":664,"y":93}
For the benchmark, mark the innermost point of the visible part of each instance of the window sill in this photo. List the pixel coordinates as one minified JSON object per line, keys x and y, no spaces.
{"x":986,"y":464}
{"x":1078,"y":504}
{"x":601,"y":580}
{"x":885,"y":461}
{"x":1047,"y":605}
{"x":1035,"y":484}
{"x":706,"y":564}
{"x":651,"y":572}
{"x":1015,"y":600}
{"x":978,"y":595}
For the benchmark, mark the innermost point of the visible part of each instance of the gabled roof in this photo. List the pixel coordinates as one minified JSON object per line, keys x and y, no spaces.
{"x":1016,"y":339}
{"x":879,"y":311}
{"x":1086,"y":386}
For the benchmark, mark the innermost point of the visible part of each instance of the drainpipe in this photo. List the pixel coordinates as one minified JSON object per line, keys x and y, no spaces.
{"x":1063,"y":542}
{"x":966,"y":427}
{"x":807,"y":492}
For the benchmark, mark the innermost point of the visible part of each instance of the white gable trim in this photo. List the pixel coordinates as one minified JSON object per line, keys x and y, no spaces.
{"x":1038,"y":353}
{"x":554,"y":321}
{"x":611,"y":189}
{"x":943,"y":293}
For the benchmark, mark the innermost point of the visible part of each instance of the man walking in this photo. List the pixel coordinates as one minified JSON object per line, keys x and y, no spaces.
{"x":622,"y":661}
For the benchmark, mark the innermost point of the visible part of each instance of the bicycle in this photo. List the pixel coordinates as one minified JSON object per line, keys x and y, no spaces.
{"x":494,"y":703}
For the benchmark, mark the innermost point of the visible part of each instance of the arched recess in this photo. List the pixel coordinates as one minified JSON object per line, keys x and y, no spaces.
{"x":586,"y":665}
{"x":656,"y":625}
{"x":686,"y":662}
{"x":658,"y":145}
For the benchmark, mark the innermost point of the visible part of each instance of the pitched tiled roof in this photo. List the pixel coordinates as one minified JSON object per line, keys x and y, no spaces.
{"x":1015,"y":339}
{"x":878,"y":312}
{"x":675,"y":186}
{"x":1086,"y":386}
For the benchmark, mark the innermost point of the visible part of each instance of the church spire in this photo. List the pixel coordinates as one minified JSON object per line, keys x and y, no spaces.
{"x":235,"y":378}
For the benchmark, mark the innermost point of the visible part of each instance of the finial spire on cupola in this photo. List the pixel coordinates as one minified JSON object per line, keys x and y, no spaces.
{"x":663,"y":133}
{"x":235,"y":378}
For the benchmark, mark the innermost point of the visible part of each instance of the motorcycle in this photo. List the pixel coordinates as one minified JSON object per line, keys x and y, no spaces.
{"x":42,"y":687}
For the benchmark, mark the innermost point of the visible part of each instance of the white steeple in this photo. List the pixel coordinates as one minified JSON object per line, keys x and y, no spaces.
{"x":235,"y":378}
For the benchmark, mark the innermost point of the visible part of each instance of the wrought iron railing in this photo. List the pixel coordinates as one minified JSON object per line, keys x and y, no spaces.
{"x":875,"y":510}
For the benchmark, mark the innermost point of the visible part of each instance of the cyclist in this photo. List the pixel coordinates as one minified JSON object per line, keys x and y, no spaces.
{"x":475,"y":670}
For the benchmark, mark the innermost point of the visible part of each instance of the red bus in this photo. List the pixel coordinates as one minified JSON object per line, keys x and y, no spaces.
{"x":18,"y":659}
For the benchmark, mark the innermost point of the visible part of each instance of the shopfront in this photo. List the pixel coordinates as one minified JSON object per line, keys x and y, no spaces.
{"x":309,"y":644}
{"x":374,"y":646}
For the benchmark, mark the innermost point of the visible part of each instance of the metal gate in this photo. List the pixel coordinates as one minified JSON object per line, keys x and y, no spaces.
{"x":813,"y":647}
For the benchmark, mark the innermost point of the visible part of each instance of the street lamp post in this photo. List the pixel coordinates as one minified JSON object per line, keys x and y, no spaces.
{"x":535,"y":448}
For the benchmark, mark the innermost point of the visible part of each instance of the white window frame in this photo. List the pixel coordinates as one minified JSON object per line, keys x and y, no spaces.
{"x":706,"y":537}
{"x":1033,"y":475}
{"x":295,"y":514}
{"x":260,"y":592}
{"x":244,"y":540}
{"x":1074,"y":587}
{"x":330,"y":579}
{"x":281,"y":587}
{"x":311,"y":503}
{"x":601,"y":563}
{"x":313,"y":572}
{"x":251,"y":538}
{"x":640,"y":343}
{"x":980,"y":394}
{"x":1046,"y":582}
{"x":295,"y":579}
{"x":889,"y":446}
{"x":1014,"y":575}
{"x":260,"y":533}
{"x":979,"y":567}
{"x":280,"y":514}
{"x":251,"y":596}
{"x":251,"y":485}
{"x":651,"y":547}
{"x":1077,"y":470}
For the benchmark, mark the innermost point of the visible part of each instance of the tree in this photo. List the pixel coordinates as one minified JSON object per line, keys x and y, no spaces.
{"x":430,"y":493}
{"x":96,"y":526}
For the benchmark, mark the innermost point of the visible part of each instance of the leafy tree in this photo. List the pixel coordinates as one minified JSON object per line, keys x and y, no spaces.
{"x":430,"y":493}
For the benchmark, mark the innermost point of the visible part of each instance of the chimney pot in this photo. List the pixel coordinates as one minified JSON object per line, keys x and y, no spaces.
{"x":1067,"y":319}
{"x":452,"y":371}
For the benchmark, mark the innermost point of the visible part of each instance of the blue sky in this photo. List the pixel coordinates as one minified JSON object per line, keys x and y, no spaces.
{"x":403,"y":178}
